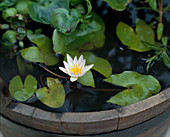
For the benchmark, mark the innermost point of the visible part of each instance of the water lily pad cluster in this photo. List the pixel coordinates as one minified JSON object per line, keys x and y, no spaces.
{"x":52,"y":96}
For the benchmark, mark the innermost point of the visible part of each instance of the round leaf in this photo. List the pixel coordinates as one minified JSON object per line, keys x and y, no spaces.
{"x":133,"y":78}
{"x":54,"y":96}
{"x":20,"y":92}
{"x":130,"y":96}
{"x":41,"y":11}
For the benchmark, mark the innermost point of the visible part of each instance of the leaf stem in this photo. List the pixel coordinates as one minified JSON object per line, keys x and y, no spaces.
{"x":54,"y":73}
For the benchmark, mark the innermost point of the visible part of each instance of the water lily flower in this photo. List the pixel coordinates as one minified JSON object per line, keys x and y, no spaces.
{"x":75,"y":68}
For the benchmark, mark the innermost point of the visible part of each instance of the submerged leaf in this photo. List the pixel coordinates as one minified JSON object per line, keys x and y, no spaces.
{"x":54,"y":95}
{"x":22,"y":92}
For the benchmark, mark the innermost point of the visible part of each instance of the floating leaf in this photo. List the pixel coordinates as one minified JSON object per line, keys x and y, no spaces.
{"x":22,"y":92}
{"x":87,"y":79}
{"x":133,"y":78}
{"x":6,"y":3}
{"x":41,"y":11}
{"x":92,"y":37}
{"x":100,"y":65}
{"x":139,"y":87}
{"x":43,"y":53}
{"x":64,"y":22}
{"x":8,"y":13}
{"x":54,"y":95}
{"x":21,"y":7}
{"x":133,"y":39}
{"x":130,"y":96}
{"x":160,"y":30}
{"x":118,"y":4}
{"x":153,"y":3}
{"x":166,"y":59}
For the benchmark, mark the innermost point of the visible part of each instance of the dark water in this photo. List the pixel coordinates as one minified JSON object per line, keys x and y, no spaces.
{"x":79,"y":98}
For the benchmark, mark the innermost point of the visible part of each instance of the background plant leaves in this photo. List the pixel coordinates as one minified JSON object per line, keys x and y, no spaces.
{"x":41,"y":11}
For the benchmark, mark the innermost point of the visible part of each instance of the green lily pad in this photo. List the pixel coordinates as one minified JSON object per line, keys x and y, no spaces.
{"x":130,"y":96}
{"x":64,"y":22}
{"x":22,"y":92}
{"x":88,"y":39}
{"x":133,"y":39}
{"x":54,"y":95}
{"x":118,"y":4}
{"x":87,"y":79}
{"x":139,"y":87}
{"x":41,"y":11}
{"x":43,"y":53}
{"x":133,"y":78}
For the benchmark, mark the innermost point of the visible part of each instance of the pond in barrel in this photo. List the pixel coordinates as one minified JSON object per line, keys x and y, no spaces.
{"x":81,"y":98}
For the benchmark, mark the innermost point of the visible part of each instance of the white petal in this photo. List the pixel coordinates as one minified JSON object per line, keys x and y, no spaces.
{"x":82,"y":63}
{"x":86,"y":68}
{"x":69,"y":60}
{"x":66,"y":66}
{"x":80,"y":59}
{"x":72,"y":79}
{"x":75,"y":60}
{"x":63,"y":69}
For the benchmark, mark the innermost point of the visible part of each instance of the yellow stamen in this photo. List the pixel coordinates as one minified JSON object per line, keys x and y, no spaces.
{"x":76,"y":70}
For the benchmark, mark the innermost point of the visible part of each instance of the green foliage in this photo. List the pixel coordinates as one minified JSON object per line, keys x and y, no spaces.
{"x":160,"y":30}
{"x":87,"y":79}
{"x":153,"y":4}
{"x":6,"y":3}
{"x":21,"y":7}
{"x":54,"y":95}
{"x":41,"y":11}
{"x":139,"y":87}
{"x":22,"y":92}
{"x":8,"y":38}
{"x":64,"y":22}
{"x":43,"y":53}
{"x":88,"y":39}
{"x":118,"y":5}
{"x":166,"y":59}
{"x":75,"y":2}
{"x":8,"y":13}
{"x":133,"y":39}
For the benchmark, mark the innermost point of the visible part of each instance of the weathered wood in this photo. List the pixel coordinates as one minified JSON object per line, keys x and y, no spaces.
{"x":141,"y":111}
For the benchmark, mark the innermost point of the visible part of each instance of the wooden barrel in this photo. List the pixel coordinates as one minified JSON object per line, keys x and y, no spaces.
{"x":84,"y":123}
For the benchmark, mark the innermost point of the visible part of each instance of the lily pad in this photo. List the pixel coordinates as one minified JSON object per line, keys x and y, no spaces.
{"x":41,"y":11}
{"x":87,"y":79}
{"x":22,"y":92}
{"x":43,"y":53}
{"x":130,"y":96}
{"x":92,"y":37}
{"x":138,"y":87}
{"x":133,"y":39}
{"x":118,"y":4}
{"x":54,"y":95}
